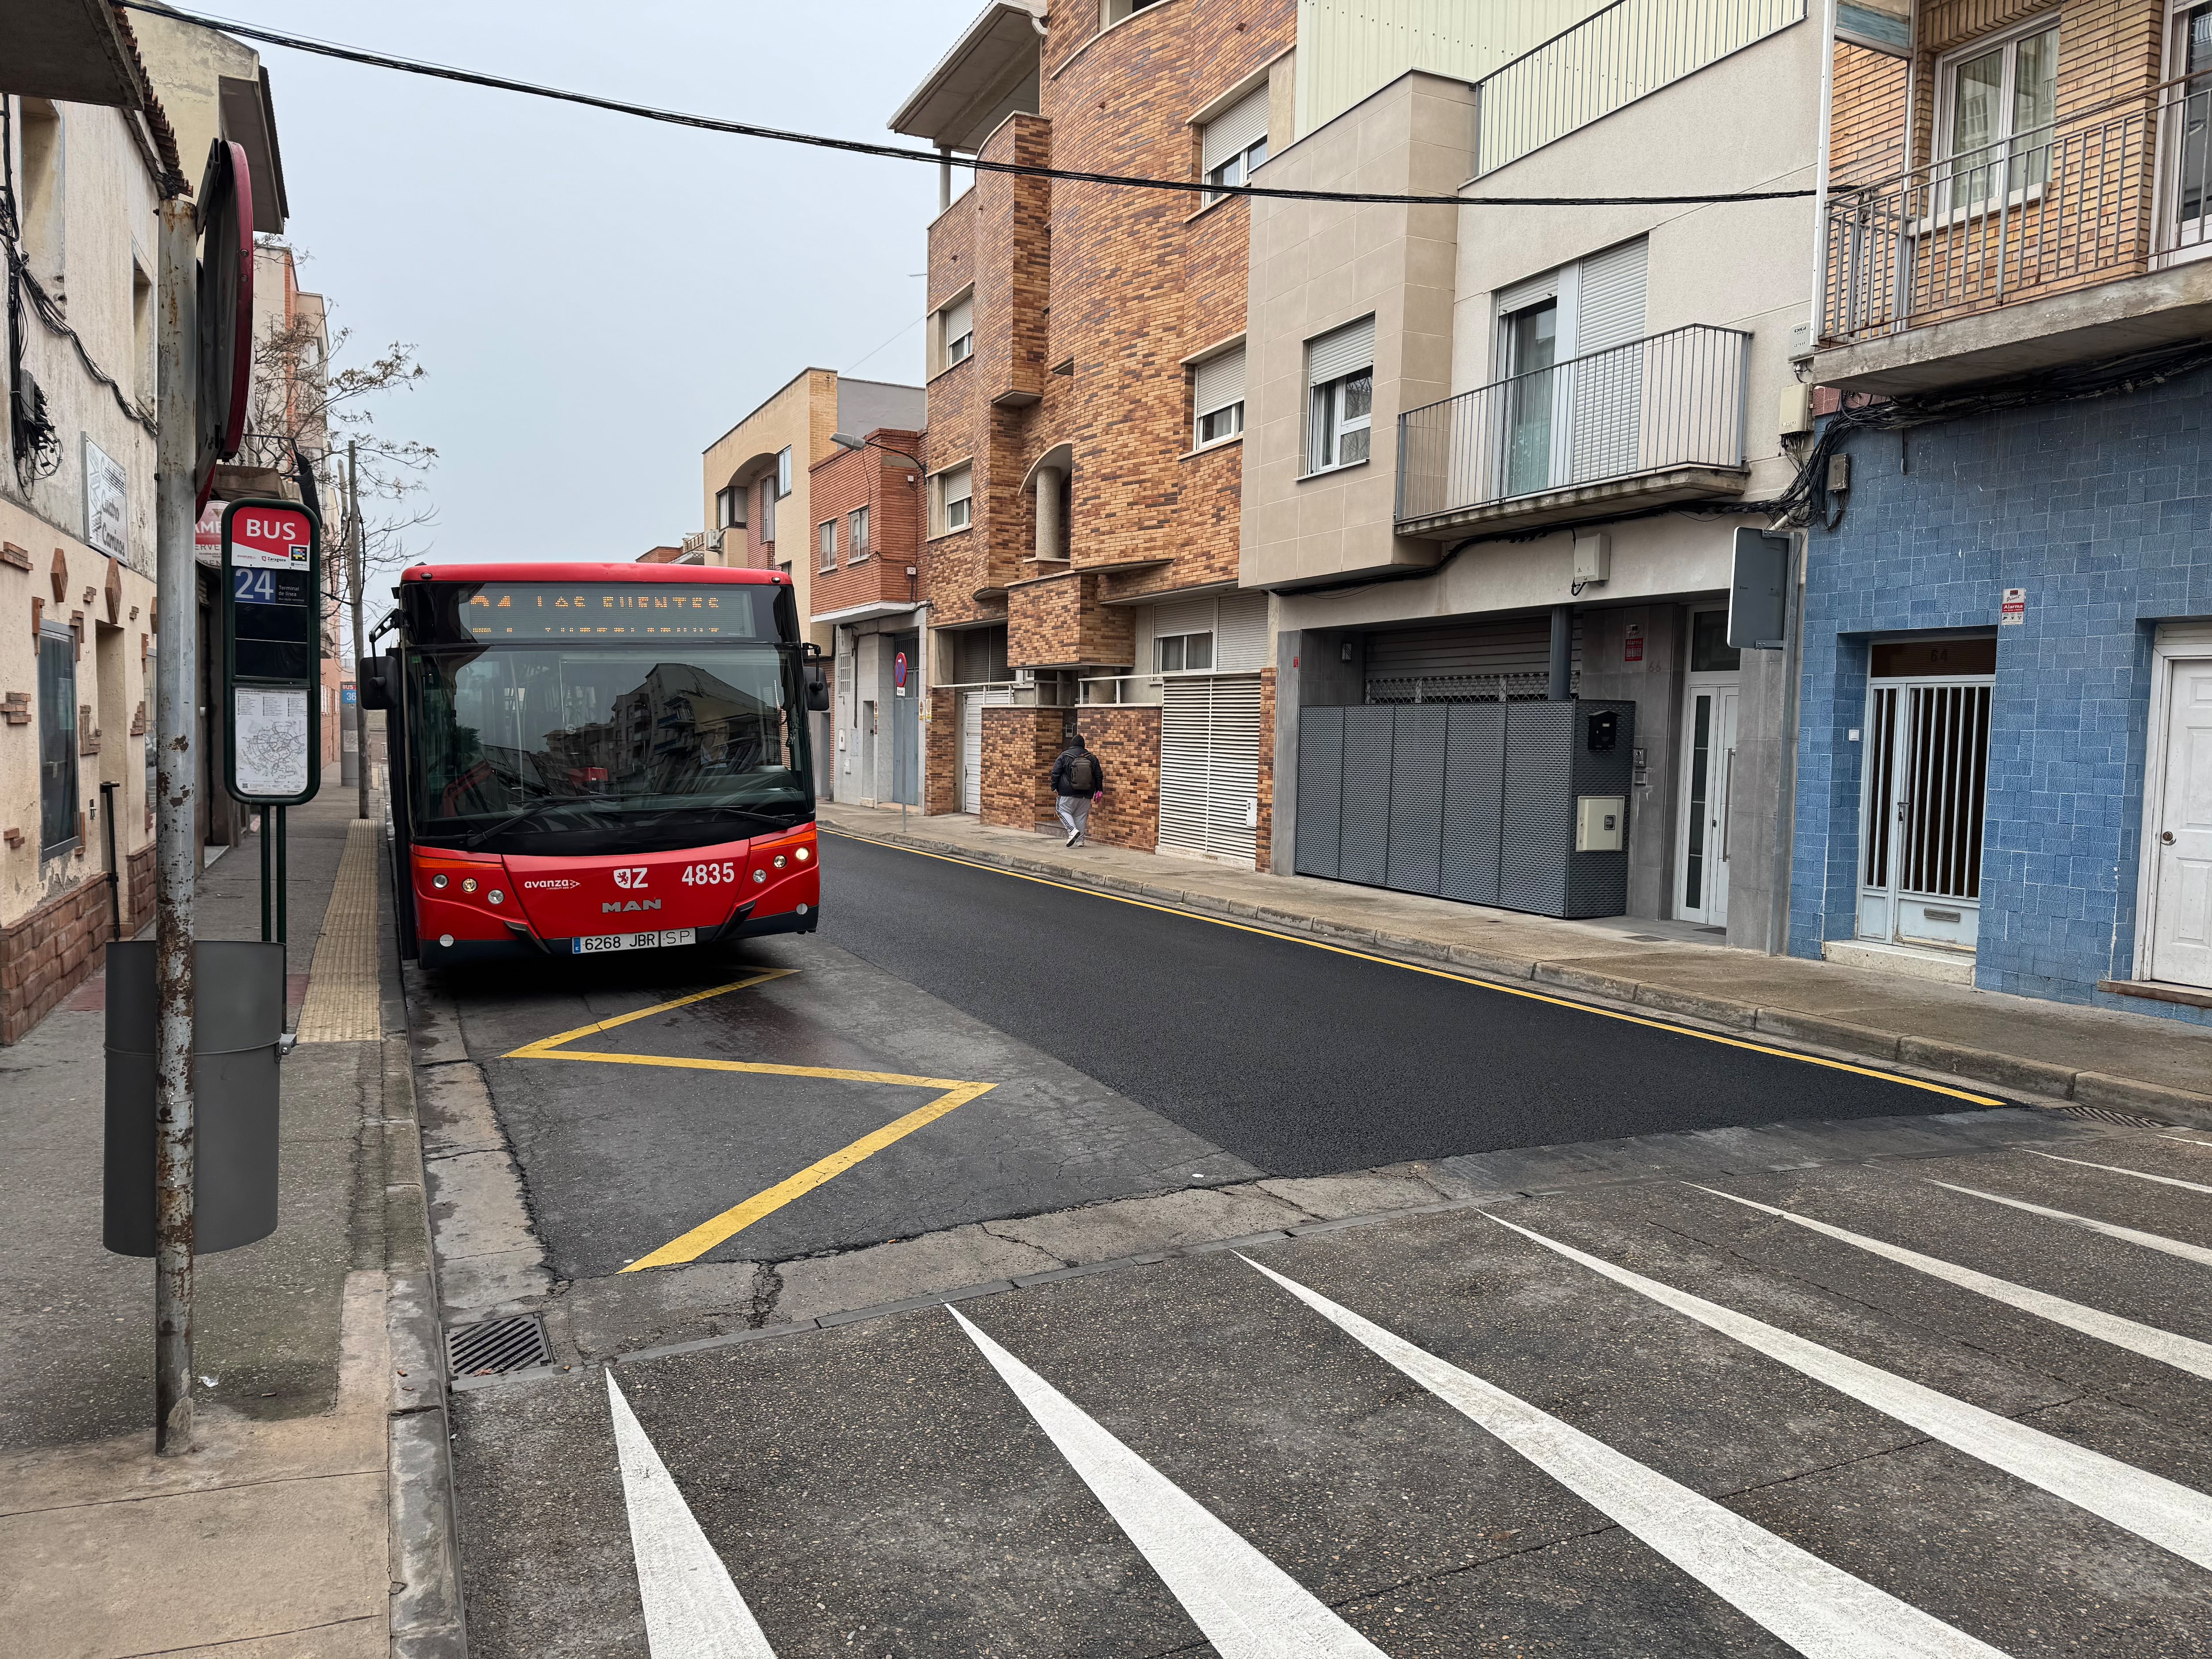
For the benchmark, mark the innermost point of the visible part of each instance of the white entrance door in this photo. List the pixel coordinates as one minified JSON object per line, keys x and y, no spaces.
{"x":972,"y":705}
{"x":1920,"y":839}
{"x":2181,"y":924}
{"x":1210,"y":766}
{"x":1707,"y":778}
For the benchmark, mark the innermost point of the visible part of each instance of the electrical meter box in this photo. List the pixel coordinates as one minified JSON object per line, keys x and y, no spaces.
{"x":1601,"y":824}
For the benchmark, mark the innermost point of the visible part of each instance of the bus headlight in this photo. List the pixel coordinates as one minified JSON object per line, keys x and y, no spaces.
{"x":438,"y":880}
{"x":496,"y":896}
{"x":468,"y":884}
{"x":760,"y":875}
{"x":802,"y":855}
{"x":779,"y":860}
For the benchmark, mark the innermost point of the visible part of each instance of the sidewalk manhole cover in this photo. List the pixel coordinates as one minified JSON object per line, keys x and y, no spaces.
{"x":2107,"y":1115}
{"x":492,"y":1347}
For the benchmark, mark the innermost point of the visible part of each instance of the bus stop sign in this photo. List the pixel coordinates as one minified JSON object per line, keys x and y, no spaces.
{"x":272,"y":583}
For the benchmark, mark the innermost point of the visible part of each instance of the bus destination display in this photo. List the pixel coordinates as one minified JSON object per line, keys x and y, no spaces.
{"x":545,"y":611}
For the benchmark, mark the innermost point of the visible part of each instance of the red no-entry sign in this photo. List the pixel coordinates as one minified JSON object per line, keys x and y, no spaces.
{"x":898,"y":673}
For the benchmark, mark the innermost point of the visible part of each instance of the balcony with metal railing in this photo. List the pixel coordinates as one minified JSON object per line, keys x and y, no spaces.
{"x":2080,"y":240}
{"x":1656,"y":420}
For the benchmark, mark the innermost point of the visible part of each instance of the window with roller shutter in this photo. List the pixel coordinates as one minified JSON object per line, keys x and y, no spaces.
{"x":1235,"y":141}
{"x":1217,"y":398}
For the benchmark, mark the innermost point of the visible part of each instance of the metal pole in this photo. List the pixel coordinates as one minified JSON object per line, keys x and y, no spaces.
{"x":283,"y":836}
{"x":107,"y":794}
{"x":1561,"y":689}
{"x":268,"y":916}
{"x":176,"y":861}
{"x":360,"y":649}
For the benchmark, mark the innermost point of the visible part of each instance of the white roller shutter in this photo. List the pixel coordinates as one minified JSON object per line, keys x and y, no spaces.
{"x":1220,"y":382}
{"x":1240,"y":638}
{"x":1183,"y":617}
{"x":972,"y":705}
{"x":1531,"y":291}
{"x":1340,"y":351}
{"x":1236,"y":129}
{"x":959,"y":318}
{"x":1608,"y":392}
{"x":1210,"y":766}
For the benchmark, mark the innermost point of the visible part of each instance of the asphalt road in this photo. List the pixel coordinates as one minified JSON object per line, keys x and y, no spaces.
{"x":1297,"y":1059}
{"x":1995,"y":1446}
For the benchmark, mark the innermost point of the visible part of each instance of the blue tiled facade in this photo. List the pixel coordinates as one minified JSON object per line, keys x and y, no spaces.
{"x":2102,"y":511}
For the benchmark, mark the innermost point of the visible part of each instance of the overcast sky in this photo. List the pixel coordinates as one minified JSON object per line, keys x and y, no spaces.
{"x":598,"y":298}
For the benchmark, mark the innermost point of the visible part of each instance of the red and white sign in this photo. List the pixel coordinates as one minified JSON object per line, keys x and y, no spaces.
{"x":2014,"y":612}
{"x":1632,"y":645}
{"x":269,"y":539}
{"x":207,"y":533}
{"x":898,"y":673}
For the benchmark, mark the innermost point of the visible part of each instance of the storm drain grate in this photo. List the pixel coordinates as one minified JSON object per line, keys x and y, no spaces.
{"x":2107,"y":1115}
{"x":492,"y":1347}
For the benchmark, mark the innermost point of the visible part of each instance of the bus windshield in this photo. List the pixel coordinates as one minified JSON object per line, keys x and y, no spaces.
{"x":545,"y":750}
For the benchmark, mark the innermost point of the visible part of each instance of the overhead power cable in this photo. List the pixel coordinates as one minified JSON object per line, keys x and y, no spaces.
{"x":899,"y":153}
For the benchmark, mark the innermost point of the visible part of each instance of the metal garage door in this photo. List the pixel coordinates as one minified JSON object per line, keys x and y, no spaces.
{"x":972,"y":704}
{"x":1210,"y":766}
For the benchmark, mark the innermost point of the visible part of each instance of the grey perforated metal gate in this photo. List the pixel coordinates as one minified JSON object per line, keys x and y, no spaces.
{"x":1469,"y":801}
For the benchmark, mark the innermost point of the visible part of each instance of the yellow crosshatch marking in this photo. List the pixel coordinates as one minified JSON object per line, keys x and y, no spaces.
{"x":709,"y":1233}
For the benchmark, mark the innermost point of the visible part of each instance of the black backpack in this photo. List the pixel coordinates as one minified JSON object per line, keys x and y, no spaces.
{"x":1082,"y":774}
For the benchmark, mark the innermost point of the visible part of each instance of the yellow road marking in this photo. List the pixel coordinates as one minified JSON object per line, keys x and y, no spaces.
{"x":707,"y":1234}
{"x":537,"y":1050}
{"x":1439,"y":973}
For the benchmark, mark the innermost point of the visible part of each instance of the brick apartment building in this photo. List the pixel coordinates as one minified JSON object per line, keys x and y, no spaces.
{"x":1087,"y":457}
{"x":1081,"y":510}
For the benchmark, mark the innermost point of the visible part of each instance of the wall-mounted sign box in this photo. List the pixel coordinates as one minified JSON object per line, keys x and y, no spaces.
{"x":272,"y":584}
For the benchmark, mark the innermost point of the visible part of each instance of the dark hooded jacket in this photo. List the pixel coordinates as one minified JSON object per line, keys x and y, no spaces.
{"x":1063,"y":778}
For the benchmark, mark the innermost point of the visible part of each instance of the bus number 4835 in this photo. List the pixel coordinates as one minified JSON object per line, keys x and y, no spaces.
{"x":709,"y":875}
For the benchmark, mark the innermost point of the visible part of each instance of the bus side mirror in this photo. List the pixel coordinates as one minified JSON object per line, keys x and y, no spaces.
{"x":374,"y":682}
{"x":817,"y":678}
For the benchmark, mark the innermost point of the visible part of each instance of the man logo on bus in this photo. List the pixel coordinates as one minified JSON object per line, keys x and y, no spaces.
{"x":632,"y":878}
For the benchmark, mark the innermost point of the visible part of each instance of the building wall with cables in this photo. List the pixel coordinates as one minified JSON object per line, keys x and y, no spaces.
{"x":2097,"y":508}
{"x":77,"y":219}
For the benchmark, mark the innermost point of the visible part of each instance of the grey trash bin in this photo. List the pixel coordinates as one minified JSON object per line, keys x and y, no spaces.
{"x":239,"y":1017}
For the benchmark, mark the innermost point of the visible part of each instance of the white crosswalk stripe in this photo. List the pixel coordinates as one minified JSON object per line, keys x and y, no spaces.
{"x":2149,"y":1241}
{"x":1816,"y":1606}
{"x":2183,"y":1352}
{"x":2114,"y":1169}
{"x":1247,"y":1606}
{"x":692,"y":1609}
{"x":2166,"y":1513}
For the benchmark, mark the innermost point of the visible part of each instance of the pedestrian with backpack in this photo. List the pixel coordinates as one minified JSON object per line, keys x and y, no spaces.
{"x":1077,"y":780}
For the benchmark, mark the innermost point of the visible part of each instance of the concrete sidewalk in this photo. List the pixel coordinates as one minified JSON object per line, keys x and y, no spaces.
{"x":2054,"y":1051}
{"x":284,"y":1532}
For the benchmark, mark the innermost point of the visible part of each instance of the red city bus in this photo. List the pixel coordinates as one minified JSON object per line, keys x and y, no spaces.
{"x":594,"y":758}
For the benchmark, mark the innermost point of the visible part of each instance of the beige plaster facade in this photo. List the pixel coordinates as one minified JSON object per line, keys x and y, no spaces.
{"x":1317,"y":265}
{"x":76,"y":549}
{"x":1357,"y":594}
{"x":799,"y":416}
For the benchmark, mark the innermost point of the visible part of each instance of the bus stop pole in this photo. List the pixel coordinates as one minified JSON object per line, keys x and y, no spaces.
{"x":267,"y":920}
{"x":176,"y":863}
